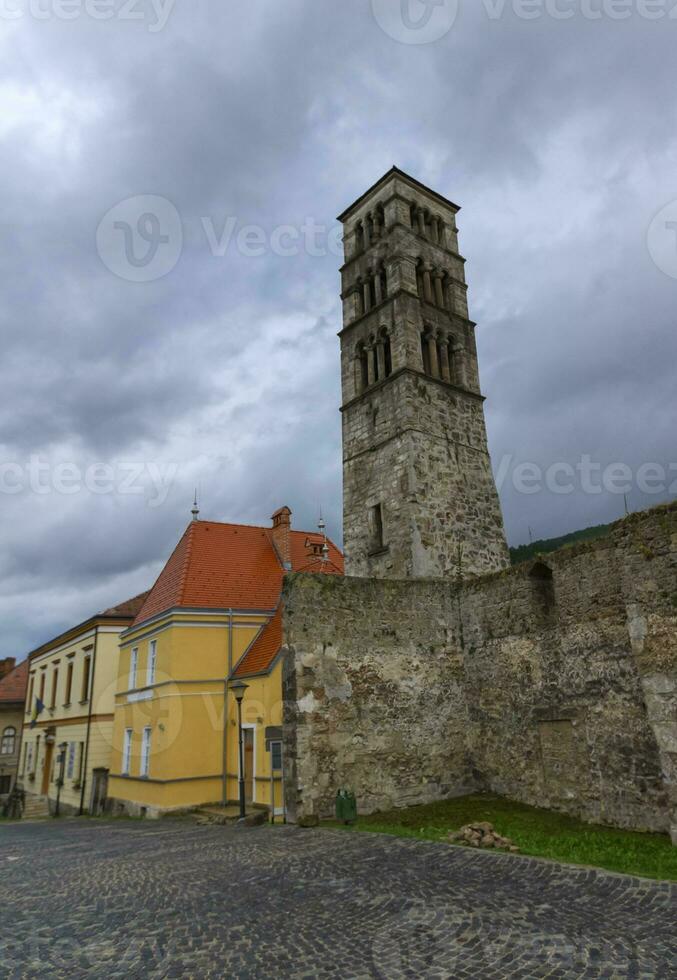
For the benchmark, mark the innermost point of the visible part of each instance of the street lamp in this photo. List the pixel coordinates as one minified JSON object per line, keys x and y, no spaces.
{"x":63,"y":747}
{"x":238,"y":688}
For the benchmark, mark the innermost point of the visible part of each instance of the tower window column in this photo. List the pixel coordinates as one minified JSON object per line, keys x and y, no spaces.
{"x":439,"y":294}
{"x":427,"y":285}
{"x":445,"y":366}
{"x":420,"y":214}
{"x":432,"y":356}
{"x":378,"y":287}
{"x":371,"y":373}
{"x":380,"y":359}
{"x":366,"y":296}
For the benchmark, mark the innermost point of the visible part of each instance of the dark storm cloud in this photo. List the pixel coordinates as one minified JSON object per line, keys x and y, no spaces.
{"x":552,"y":135}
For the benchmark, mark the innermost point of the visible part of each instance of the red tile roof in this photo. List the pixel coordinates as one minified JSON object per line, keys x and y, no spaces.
{"x":129,"y":608}
{"x":264,"y":649}
{"x":231,"y":566}
{"x":13,"y":685}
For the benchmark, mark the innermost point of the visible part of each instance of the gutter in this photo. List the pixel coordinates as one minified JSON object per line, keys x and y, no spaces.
{"x":224,"y":792}
{"x":89,"y":723}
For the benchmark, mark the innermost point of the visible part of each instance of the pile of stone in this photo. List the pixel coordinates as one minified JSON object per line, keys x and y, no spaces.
{"x":482,"y":834}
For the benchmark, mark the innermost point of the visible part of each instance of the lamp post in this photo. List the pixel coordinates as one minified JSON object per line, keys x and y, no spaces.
{"x":238,"y":688}
{"x":62,"y":766}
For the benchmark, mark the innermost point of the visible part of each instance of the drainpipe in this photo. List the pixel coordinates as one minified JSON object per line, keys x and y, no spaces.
{"x":89,"y":724}
{"x":224,"y":791}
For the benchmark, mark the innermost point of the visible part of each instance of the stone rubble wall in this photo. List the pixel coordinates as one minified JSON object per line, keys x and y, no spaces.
{"x":411,"y":691}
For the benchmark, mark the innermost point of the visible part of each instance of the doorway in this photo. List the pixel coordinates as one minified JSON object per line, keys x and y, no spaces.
{"x":47,"y":767}
{"x":248,"y":735}
{"x":99,"y":791}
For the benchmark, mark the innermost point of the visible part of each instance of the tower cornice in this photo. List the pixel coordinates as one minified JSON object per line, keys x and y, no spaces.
{"x":407,"y":178}
{"x":378,"y":385}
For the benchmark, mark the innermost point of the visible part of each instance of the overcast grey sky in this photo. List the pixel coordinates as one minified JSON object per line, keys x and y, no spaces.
{"x":555,"y":133}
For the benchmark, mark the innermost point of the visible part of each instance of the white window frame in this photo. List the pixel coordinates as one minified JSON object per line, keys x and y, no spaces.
{"x":145,"y":751}
{"x":70,"y":760}
{"x":5,"y":741}
{"x":152,"y":660}
{"x":133,"y":668}
{"x":127,"y":752}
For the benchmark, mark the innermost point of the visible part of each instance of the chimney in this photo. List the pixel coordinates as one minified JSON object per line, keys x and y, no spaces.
{"x":281,"y":537}
{"x":7,"y":666}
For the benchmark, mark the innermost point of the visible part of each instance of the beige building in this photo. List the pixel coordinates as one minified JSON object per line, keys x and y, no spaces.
{"x":70,"y":701}
{"x":12,"y":698}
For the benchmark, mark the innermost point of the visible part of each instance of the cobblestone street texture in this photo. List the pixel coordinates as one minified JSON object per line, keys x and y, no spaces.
{"x":124,"y":899}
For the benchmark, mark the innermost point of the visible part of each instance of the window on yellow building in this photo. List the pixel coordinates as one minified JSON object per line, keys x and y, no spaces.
{"x":145,"y":752}
{"x":152,"y":658}
{"x":29,"y":700}
{"x":69,"y":682}
{"x":86,"y":670}
{"x":55,"y":684}
{"x":80,"y":763}
{"x":127,"y":752}
{"x":43,"y":676}
{"x":8,"y":744}
{"x":70,"y":760}
{"x":133,"y":665}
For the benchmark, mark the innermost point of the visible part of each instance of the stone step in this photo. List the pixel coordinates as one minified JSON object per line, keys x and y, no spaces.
{"x":220,"y":815}
{"x":35,"y":808}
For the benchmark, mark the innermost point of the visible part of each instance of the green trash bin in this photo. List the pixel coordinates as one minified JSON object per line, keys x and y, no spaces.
{"x":346,"y":806}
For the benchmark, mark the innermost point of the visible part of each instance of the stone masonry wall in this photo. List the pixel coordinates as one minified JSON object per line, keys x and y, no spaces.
{"x":554,"y":683}
{"x":373,"y":689}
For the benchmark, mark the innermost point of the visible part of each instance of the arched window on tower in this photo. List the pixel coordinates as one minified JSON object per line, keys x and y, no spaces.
{"x":445,"y":291}
{"x":443,"y":357}
{"x":384,"y":282}
{"x":419,"y":279}
{"x":359,"y":237}
{"x":387,"y":355}
{"x":372,"y":290}
{"x":373,"y":353}
{"x":361,"y":368}
{"x":413,"y":216}
{"x":425,"y":353}
{"x":380,"y":219}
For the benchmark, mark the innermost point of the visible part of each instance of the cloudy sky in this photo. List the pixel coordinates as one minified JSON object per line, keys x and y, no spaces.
{"x":161,"y":329}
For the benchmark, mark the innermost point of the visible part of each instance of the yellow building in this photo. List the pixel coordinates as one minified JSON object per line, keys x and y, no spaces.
{"x":69,"y":714}
{"x":212,"y":616}
{"x":12,"y":699}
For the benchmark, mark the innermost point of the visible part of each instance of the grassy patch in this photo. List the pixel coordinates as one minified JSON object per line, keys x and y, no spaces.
{"x":541,"y":833}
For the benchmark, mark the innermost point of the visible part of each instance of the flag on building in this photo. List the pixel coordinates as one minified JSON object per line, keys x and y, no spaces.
{"x":37,"y":710}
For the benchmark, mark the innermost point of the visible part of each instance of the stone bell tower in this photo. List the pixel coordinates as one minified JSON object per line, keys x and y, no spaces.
{"x":419,"y":498}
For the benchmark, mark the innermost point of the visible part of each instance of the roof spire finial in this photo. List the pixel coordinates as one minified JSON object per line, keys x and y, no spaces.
{"x":196,"y":510}
{"x":323,"y":531}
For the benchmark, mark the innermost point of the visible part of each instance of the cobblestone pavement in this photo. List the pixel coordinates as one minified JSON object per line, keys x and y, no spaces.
{"x":124,"y":899}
